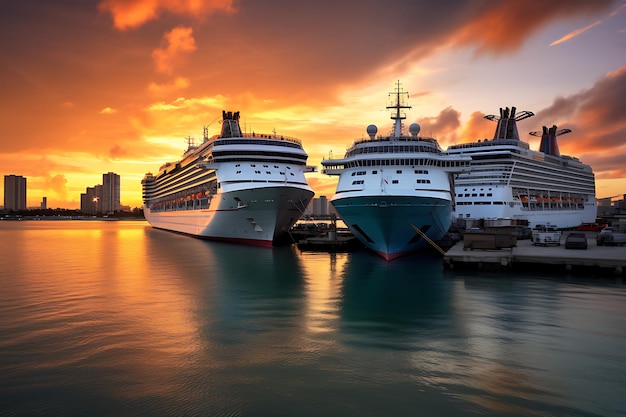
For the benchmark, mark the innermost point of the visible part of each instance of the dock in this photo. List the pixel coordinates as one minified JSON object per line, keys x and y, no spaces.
{"x":338,"y":243}
{"x":600,"y":259}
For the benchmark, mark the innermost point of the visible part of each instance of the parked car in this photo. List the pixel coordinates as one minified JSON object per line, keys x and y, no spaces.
{"x":576,"y":241}
{"x":610,"y":236}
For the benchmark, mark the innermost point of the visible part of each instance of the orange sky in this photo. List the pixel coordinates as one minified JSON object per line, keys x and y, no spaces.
{"x":117,"y":85}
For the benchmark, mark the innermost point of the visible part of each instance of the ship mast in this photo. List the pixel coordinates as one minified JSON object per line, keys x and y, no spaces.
{"x":397,"y":115}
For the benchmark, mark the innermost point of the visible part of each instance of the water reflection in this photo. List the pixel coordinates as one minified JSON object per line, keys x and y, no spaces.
{"x":120,"y":316}
{"x":534,"y":343}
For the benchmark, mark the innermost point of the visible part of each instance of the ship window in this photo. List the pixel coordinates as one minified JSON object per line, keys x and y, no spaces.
{"x":357,"y":182}
{"x":268,"y":172}
{"x":482,"y":194}
{"x":257,"y":172}
{"x":474,"y":195}
{"x":275,"y":166}
{"x":398,"y":171}
{"x":394,"y":181}
{"x":265,"y":166}
{"x":291,"y":173}
{"x":361,"y":173}
{"x":489,"y":194}
{"x":237,"y":165}
{"x":238,"y":172}
{"x":466,"y":195}
{"x":281,"y":173}
{"x":288,"y":167}
{"x":252,"y":165}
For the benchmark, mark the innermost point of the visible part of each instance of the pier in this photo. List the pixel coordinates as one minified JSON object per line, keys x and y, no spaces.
{"x":524,"y":254}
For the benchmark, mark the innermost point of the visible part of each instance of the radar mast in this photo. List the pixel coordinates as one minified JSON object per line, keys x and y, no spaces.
{"x":398,"y":115}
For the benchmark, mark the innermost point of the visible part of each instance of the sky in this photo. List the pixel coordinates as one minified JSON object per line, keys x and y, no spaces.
{"x":95,"y":86}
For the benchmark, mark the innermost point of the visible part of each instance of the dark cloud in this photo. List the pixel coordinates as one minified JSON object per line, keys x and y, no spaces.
{"x":444,"y":126}
{"x":595,"y":115}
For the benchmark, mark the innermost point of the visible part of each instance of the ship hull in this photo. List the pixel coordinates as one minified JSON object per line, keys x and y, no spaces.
{"x":387,"y":225}
{"x":258,"y":216}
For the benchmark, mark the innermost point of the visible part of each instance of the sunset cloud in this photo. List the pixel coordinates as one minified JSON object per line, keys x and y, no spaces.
{"x":129,"y":14}
{"x":575,"y":33}
{"x":176,"y":45}
{"x":600,"y":107}
{"x":120,"y":90}
{"x":177,"y":85}
{"x":477,"y":128}
{"x":108,"y":110}
{"x":57,"y":184}
{"x":443,"y":127}
{"x":490,"y":30}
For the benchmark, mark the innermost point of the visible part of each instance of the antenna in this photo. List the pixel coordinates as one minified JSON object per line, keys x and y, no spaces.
{"x":398,"y":115}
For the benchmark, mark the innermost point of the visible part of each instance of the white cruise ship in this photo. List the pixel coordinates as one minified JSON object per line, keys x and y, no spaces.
{"x":240,"y":187}
{"x":508,"y":180}
{"x":395,"y":191}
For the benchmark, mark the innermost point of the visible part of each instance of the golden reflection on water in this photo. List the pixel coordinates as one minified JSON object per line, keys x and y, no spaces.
{"x":74,"y":275}
{"x":323,"y":274}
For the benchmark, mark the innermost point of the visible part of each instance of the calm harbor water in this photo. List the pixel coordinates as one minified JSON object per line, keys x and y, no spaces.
{"x":118,"y":319}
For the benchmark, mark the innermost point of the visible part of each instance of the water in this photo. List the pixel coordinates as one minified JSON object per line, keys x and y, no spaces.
{"x":119,"y":319}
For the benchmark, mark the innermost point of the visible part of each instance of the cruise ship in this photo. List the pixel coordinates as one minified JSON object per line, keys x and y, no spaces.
{"x":395,"y":191}
{"x":508,"y":180}
{"x":241,"y":187}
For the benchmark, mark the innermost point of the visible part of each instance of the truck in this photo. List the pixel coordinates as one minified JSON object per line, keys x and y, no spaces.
{"x":546,"y":235}
{"x":610,"y":236}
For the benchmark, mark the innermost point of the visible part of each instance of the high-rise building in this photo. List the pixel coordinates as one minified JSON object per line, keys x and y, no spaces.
{"x":14,"y":192}
{"x":318,"y":207}
{"x":90,"y":200}
{"x":44,"y":203}
{"x":110,"y":201}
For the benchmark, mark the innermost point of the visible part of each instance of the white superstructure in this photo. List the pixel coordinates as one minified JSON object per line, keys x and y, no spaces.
{"x":236,"y":186}
{"x":395,"y":191}
{"x":509,"y":180}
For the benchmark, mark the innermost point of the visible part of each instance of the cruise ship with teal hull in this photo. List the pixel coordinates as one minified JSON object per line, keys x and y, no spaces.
{"x":395,"y":191}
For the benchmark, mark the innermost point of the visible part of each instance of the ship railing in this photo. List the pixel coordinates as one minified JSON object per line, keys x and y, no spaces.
{"x":403,"y":138}
{"x":254,"y":135}
{"x":492,"y":142}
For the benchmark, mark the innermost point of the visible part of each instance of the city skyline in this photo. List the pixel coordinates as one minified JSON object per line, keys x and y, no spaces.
{"x":101,"y":198}
{"x":106,"y":85}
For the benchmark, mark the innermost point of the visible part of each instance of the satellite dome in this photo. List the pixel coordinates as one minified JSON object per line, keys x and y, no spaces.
{"x":414,"y":129}
{"x":371,"y":131}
